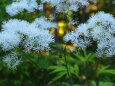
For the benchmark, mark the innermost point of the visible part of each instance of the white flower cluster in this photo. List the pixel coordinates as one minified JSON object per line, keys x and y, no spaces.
{"x":14,"y":30}
{"x":20,"y":5}
{"x":79,"y":36}
{"x":12,"y":60}
{"x":40,"y":40}
{"x":31,"y":36}
{"x":30,"y":5}
{"x":19,"y":32}
{"x":8,"y":40}
{"x":43,"y":23}
{"x":99,"y":28}
{"x":66,"y":5}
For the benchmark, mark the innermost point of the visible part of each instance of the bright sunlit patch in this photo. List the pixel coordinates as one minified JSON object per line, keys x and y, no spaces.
{"x":61,"y":24}
{"x":61,"y":31}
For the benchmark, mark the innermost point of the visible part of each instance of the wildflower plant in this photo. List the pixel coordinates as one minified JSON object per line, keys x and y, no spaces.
{"x":35,"y":36}
{"x":32,"y":36}
{"x":99,"y":28}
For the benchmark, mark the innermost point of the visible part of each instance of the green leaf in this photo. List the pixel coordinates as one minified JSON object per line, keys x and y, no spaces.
{"x":80,"y":57}
{"x":76,"y":69}
{"x":91,"y":57}
{"x":58,"y":76}
{"x":57,"y":69}
{"x":109,"y":71}
{"x":106,"y":84}
{"x":106,"y":70}
{"x":93,"y":83}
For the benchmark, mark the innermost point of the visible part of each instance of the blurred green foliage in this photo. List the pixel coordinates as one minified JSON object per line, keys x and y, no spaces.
{"x":107,"y":6}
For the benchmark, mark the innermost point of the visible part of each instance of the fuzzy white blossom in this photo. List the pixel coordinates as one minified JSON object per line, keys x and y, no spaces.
{"x":39,"y":41}
{"x":80,"y":37}
{"x":99,"y":28}
{"x":43,"y":23}
{"x":9,"y":40}
{"x":102,"y":20}
{"x":15,"y":25}
{"x":15,"y":30}
{"x":20,"y":5}
{"x":103,"y":33}
{"x":12,"y":60}
{"x":31,"y":36}
{"x":66,"y":5}
{"x":106,"y":47}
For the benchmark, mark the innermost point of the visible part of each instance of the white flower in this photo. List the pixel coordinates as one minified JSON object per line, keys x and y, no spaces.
{"x":81,"y":2}
{"x":66,"y":5}
{"x":99,"y":28}
{"x":19,"y":5}
{"x":15,"y":25}
{"x":37,"y":37}
{"x":84,"y":29}
{"x":40,"y":7}
{"x":71,"y":36}
{"x":97,"y":33}
{"x":9,"y":40}
{"x":106,"y":47}
{"x":103,"y":25}
{"x":81,"y":36}
{"x":43,"y":23}
{"x":40,"y":40}
{"x":12,"y":60}
{"x":73,"y":7}
{"x":105,"y":20}
{"x":80,"y":40}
